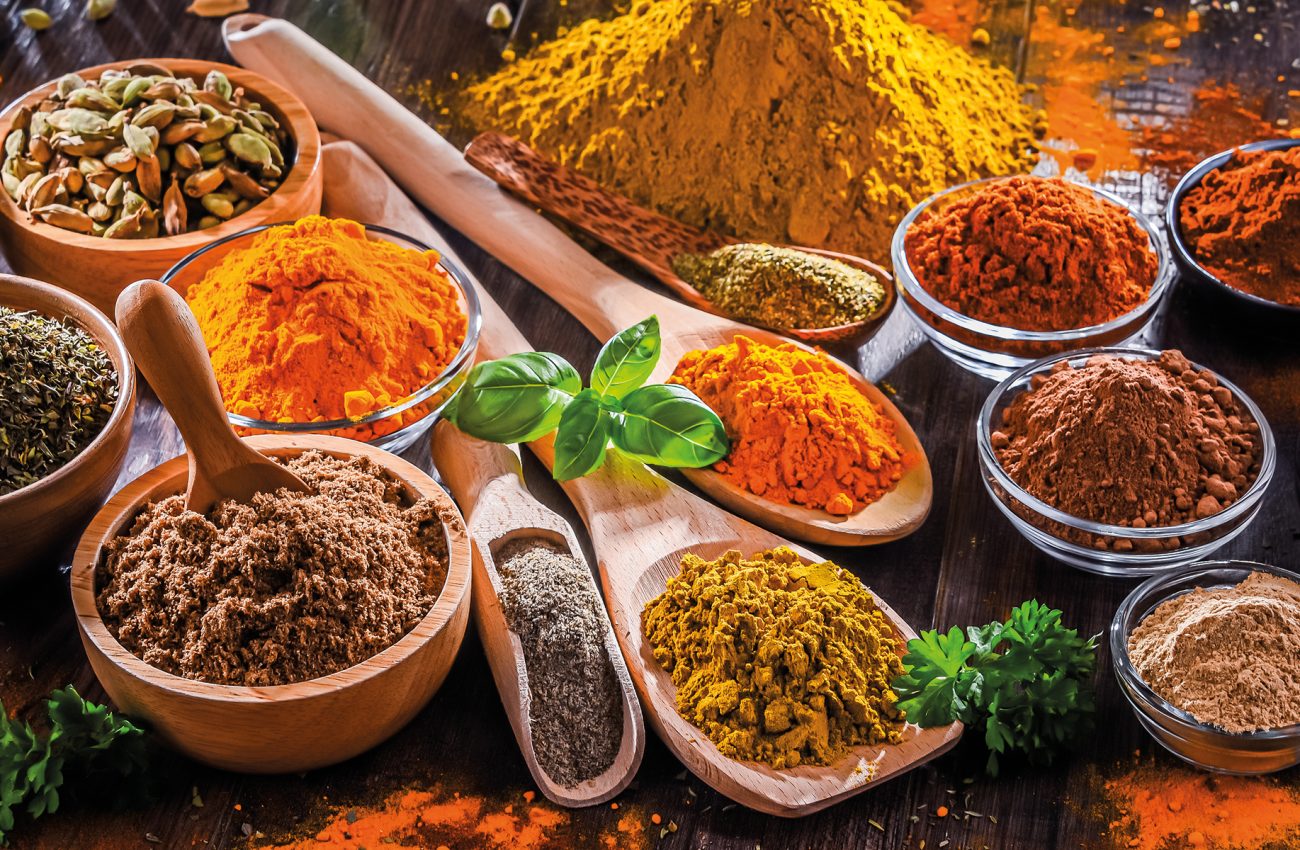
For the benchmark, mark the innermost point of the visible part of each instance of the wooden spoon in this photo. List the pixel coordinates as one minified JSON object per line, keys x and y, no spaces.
{"x":165,"y":341}
{"x":646,"y":238}
{"x":487,"y":481}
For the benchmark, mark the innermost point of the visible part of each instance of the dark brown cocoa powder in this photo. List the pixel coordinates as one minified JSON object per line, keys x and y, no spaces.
{"x":291,"y":587}
{"x":1130,"y":442}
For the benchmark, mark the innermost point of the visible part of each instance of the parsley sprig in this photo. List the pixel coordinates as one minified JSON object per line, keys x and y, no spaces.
{"x":1027,"y":681}
{"x":84,"y":739}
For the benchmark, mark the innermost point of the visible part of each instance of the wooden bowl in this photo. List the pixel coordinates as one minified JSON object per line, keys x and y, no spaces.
{"x":97,"y":268}
{"x":283,"y":728}
{"x":39,"y":520}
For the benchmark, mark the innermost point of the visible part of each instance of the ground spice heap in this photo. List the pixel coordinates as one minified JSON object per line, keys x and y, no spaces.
{"x":776,"y":660}
{"x":313,"y":321}
{"x":800,"y":431}
{"x":782,"y":288}
{"x":1243,"y":223}
{"x":1130,"y":442}
{"x":58,"y":389}
{"x":851,"y":114}
{"x":550,"y":601}
{"x":1229,"y":656}
{"x":291,"y":587}
{"x":1033,"y":253}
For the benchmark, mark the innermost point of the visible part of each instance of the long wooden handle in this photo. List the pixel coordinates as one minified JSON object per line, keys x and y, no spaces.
{"x":469,"y":465}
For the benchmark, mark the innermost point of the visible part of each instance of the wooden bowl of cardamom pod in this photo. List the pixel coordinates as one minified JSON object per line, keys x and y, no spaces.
{"x":73,"y":469}
{"x":114,"y":173}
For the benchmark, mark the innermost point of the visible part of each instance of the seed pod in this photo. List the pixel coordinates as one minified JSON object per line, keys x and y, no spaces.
{"x":175,"y":213}
{"x":97,"y":10}
{"x":35,"y":19}
{"x":164,"y":89}
{"x":15,"y":142}
{"x":133,"y":203}
{"x":45,"y":192}
{"x":62,"y":215}
{"x":149,"y":175}
{"x":93,"y":99}
{"x":22,"y":119}
{"x":148,"y":224}
{"x":138,"y":141}
{"x":39,"y":150}
{"x":114,"y":87}
{"x":78,"y":146}
{"x":164,"y":158}
{"x":201,"y":183}
{"x":186,"y":156}
{"x":243,"y":206}
{"x":266,"y":119}
{"x":72,"y":180}
{"x":217,"y":128}
{"x":214,"y":100}
{"x":126,"y":227}
{"x":25,"y":185}
{"x":10,"y":182}
{"x":212,"y":153}
{"x":116,"y":192}
{"x":99,"y":211}
{"x":120,"y":159}
{"x":158,"y":114}
{"x":250,"y":149}
{"x":219,"y":84}
{"x":208,"y":221}
{"x":134,"y":90}
{"x":243,"y":185}
{"x":180,"y":131}
{"x":218,"y":206}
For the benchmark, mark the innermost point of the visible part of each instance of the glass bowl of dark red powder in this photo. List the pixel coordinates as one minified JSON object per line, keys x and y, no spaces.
{"x":1063,"y":460}
{"x":978,"y":245}
{"x":1206,"y":746}
{"x":1233,"y":206}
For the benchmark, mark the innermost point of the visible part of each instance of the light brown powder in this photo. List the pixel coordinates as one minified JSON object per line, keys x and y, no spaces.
{"x":1229,"y":656}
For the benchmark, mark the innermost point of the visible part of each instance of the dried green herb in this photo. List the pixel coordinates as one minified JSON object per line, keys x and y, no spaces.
{"x":782,"y":288}
{"x":57,"y":391}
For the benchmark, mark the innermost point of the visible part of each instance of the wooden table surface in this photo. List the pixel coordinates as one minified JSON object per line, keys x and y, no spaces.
{"x":966,"y":565}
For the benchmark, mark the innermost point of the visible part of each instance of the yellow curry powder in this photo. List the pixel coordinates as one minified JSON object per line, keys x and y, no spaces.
{"x":313,"y":321}
{"x":816,"y":122}
{"x":776,"y":660}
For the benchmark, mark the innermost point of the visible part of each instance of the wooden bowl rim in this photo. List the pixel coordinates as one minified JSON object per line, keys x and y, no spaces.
{"x":126,"y":503}
{"x":93,"y":321}
{"x":297,"y":118}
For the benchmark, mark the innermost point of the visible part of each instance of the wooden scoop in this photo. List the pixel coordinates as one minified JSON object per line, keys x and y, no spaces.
{"x":487,"y":481}
{"x":162,"y":336}
{"x":646,"y":238}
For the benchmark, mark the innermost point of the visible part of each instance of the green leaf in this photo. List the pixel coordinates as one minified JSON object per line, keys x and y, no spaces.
{"x":928,"y":690}
{"x":666,"y":424}
{"x":626,"y":361}
{"x":582,"y":437}
{"x":515,"y":399}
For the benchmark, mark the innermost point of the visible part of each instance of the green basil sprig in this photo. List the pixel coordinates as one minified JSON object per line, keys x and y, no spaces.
{"x":526,"y":396}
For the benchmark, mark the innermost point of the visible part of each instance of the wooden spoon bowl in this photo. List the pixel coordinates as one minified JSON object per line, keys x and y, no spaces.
{"x":646,"y":238}
{"x":283,"y":728}
{"x":98,"y":269}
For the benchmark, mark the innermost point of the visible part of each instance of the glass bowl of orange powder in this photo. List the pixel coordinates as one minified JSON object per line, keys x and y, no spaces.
{"x":1000,"y":272}
{"x":331,"y":326}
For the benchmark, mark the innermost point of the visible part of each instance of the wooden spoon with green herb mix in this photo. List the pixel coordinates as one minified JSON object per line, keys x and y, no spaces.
{"x":755,"y":280}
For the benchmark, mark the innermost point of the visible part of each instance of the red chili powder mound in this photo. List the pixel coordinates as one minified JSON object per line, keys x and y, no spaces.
{"x":1033,"y":253}
{"x":1243,"y":223}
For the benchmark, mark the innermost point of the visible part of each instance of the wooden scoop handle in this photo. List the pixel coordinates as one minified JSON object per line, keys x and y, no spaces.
{"x":471,"y":466}
{"x":167,"y":345}
{"x":643,"y":236}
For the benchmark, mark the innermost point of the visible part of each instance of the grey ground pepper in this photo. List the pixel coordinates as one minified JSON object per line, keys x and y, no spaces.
{"x":550,"y":601}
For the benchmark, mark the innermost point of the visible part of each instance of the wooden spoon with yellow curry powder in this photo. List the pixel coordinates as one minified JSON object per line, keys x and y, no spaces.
{"x":654,"y":242}
{"x":606,"y":303}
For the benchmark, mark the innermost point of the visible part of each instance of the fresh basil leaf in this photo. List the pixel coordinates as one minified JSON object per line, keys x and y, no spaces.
{"x":515,"y":399}
{"x":583,"y":436}
{"x":666,"y":424}
{"x":626,"y":361}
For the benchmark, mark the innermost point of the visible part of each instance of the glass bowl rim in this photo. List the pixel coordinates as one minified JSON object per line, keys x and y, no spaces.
{"x":474,"y":321}
{"x":1247,"y":500}
{"x":910,"y":285}
{"x":1128,"y":674}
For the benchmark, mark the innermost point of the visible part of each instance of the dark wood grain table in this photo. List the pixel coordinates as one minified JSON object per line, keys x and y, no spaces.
{"x":966,"y":565}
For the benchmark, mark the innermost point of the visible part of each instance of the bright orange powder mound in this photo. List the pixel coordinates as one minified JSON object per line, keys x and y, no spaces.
{"x":801,"y":431}
{"x":313,"y":322}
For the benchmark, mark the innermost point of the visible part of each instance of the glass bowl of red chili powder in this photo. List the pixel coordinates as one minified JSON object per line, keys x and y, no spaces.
{"x":1234,"y":228}
{"x":1002,"y":271}
{"x":1062,"y":441}
{"x":1200,"y":744}
{"x":348,"y":323}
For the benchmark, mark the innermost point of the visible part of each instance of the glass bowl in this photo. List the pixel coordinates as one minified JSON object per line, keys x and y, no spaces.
{"x":994,"y":351}
{"x":1196,"y":743}
{"x":1092,"y":546}
{"x":395,"y":427}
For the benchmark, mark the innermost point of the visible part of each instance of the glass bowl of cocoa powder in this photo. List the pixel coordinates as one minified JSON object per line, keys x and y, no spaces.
{"x":1124,"y":461}
{"x":996,"y":348}
{"x":1202,"y":744}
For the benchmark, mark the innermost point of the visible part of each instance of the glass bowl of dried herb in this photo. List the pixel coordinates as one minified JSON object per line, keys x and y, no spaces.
{"x":1124,"y":461}
{"x":1002,"y":271}
{"x":1239,"y":676}
{"x":67,"y":404}
{"x":329,"y":326}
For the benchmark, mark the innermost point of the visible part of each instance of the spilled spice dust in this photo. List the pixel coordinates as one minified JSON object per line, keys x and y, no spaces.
{"x":1218,"y":117}
{"x":437,"y":818}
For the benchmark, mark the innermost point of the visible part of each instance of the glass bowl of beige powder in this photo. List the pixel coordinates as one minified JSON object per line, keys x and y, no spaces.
{"x":1208,"y":656}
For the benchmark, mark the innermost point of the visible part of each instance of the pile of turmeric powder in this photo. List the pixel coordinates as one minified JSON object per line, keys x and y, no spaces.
{"x":776,"y":660}
{"x":314,"y":321}
{"x":816,"y":122}
{"x":800,"y":431}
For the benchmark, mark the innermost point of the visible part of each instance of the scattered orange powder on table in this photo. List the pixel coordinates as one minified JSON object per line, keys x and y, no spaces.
{"x":313,"y":321}
{"x":1217,"y":118}
{"x":1175,"y":807}
{"x":801,"y":431}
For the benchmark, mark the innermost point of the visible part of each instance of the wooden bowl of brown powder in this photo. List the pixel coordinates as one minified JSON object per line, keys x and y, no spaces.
{"x":285,"y":635}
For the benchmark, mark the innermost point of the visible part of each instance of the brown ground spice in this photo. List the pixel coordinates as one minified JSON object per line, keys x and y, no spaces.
{"x":1033,"y":253}
{"x":292,"y":587}
{"x":1129,"y":442}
